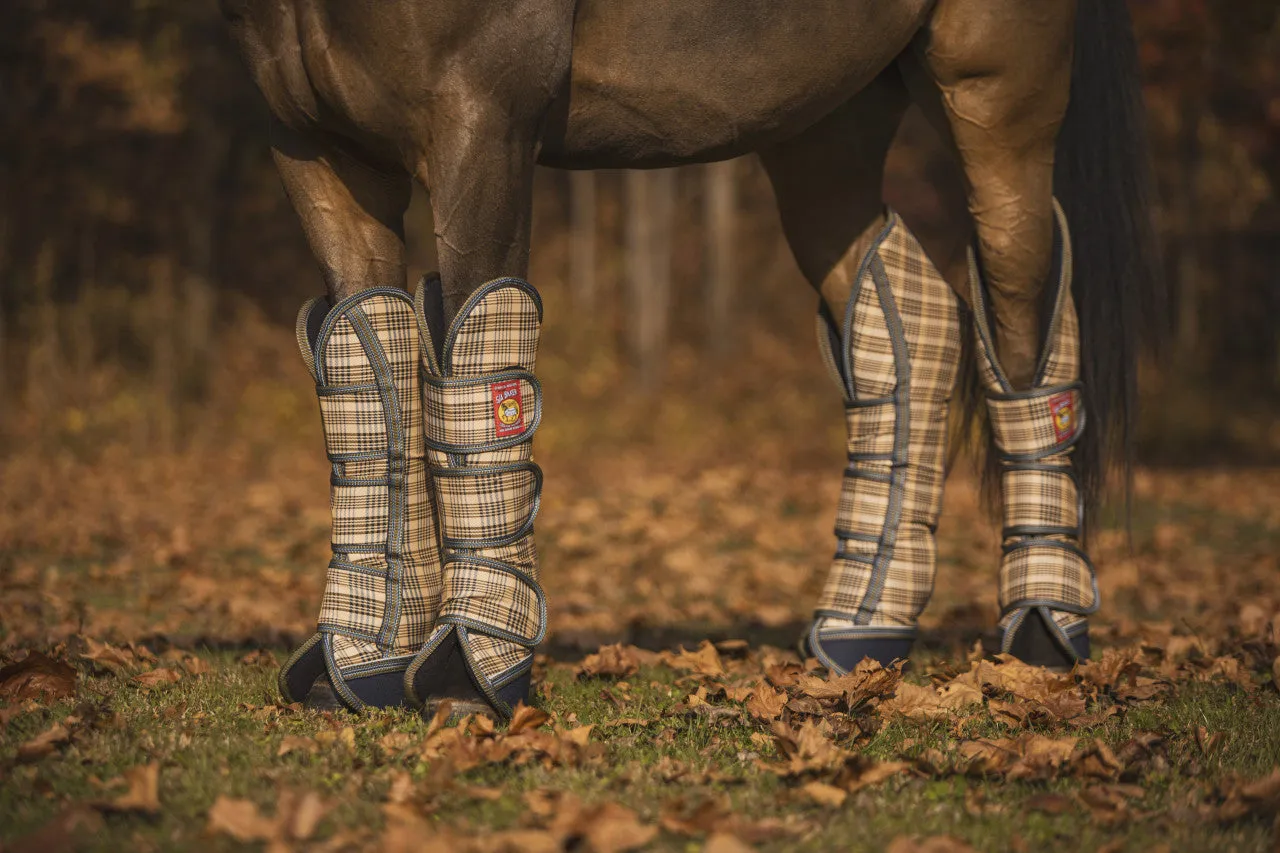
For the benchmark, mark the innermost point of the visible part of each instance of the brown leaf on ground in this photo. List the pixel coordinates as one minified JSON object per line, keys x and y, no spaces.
{"x":766,"y":703}
{"x":1028,"y":756}
{"x":824,"y":794}
{"x":1209,"y":743}
{"x":44,"y":743}
{"x":926,"y":703}
{"x":1236,"y":798}
{"x":106,"y":656}
{"x":932,"y":844}
{"x":37,"y":676}
{"x":297,"y":743}
{"x":143,"y":793}
{"x":525,"y":718}
{"x":616,"y":661}
{"x":298,"y":813}
{"x":264,"y":658}
{"x":1097,"y":761}
{"x":977,"y":804}
{"x":807,"y":748}
{"x":722,"y":842}
{"x":603,"y":827}
{"x":1109,"y":804}
{"x":155,"y":677}
{"x":239,"y":819}
{"x":68,"y":830}
{"x":705,"y":661}
{"x":1049,"y":804}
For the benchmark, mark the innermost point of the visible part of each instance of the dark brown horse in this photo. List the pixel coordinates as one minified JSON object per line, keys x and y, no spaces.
{"x":1036,"y":97}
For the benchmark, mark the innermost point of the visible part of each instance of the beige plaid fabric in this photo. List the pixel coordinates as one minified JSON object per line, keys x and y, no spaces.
{"x":895,"y":360}
{"x":1034,"y":431}
{"x":483,"y":405}
{"x":383,"y":586}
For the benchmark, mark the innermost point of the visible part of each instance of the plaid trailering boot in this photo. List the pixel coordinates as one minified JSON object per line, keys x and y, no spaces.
{"x":894,"y":358}
{"x":383,"y":586}
{"x":1047,"y":583}
{"x":483,"y":405}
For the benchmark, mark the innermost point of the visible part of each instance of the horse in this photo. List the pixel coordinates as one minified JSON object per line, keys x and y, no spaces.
{"x":1036,"y":100}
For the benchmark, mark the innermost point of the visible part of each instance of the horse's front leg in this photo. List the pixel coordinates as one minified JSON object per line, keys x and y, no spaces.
{"x":361,"y":346}
{"x":481,"y":324}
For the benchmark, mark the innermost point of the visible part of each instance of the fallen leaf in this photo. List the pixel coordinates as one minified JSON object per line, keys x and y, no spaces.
{"x":824,"y":794}
{"x":525,"y":717}
{"x":240,"y":819}
{"x":38,"y":676}
{"x":44,"y":743}
{"x":616,"y":661}
{"x":722,"y":842}
{"x":704,"y":661}
{"x":155,"y":677}
{"x":1049,"y":804}
{"x":299,"y":743}
{"x":143,"y":794}
{"x":108,"y":657}
{"x":66,"y":831}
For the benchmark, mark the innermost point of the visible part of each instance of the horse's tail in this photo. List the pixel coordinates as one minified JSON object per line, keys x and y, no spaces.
{"x":1102,"y":178}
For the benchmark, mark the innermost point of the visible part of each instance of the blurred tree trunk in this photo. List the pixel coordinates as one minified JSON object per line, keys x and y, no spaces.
{"x":649,"y":203}
{"x":719,"y":217}
{"x":1188,"y":262}
{"x":584,"y":281}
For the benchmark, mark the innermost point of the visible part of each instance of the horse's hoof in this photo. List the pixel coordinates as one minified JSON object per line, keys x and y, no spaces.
{"x":446,"y":676}
{"x":1034,"y":643}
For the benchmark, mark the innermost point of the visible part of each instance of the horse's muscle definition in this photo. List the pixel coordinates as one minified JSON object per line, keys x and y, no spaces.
{"x":430,"y":404}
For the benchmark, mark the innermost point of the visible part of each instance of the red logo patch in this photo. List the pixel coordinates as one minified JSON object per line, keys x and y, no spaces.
{"x":1062,"y":407}
{"x":508,"y":408}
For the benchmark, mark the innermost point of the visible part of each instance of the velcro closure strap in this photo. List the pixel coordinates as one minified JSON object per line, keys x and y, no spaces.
{"x":355,"y":598}
{"x":871,"y":426}
{"x":1035,"y":424}
{"x":1040,"y":498}
{"x":481,"y":414}
{"x":491,"y":597}
{"x":485,"y":507}
{"x":354,"y":421}
{"x":359,"y":515}
{"x":1050,"y":572}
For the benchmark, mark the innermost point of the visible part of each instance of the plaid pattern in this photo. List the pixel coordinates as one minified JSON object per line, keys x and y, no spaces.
{"x":897,"y":370}
{"x":382,"y":590}
{"x":488,"y":487}
{"x":1043,"y":563}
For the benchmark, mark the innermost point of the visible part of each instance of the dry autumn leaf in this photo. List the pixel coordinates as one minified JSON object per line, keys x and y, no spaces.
{"x":37,"y":676}
{"x":824,"y":794}
{"x":44,"y":743}
{"x":721,"y":842}
{"x":155,"y":677}
{"x":239,"y":819}
{"x":143,"y":793}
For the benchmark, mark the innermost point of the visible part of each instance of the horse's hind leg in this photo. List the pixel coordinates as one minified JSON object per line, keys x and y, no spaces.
{"x":1002,"y":69}
{"x":361,"y":347}
{"x":888,"y":326}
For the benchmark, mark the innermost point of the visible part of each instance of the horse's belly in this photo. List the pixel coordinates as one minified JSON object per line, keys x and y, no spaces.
{"x":658,"y":82}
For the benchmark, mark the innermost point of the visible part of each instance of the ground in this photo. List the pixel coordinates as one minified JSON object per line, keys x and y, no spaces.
{"x":155,"y":570}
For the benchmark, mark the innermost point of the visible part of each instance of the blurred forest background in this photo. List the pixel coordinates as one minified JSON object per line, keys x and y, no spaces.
{"x":150,"y":265}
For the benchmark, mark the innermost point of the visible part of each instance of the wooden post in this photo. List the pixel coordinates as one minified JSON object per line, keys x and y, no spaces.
{"x":718,"y":215}
{"x":650,"y":197}
{"x":583,"y":281}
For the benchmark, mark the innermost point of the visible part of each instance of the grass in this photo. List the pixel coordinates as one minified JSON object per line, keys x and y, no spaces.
{"x":209,"y":741}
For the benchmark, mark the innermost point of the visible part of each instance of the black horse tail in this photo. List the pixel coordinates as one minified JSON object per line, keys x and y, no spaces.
{"x":1102,"y":178}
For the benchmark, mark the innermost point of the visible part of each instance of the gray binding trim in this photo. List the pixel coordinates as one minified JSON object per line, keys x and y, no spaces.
{"x":901,"y":441}
{"x":396,"y":469}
